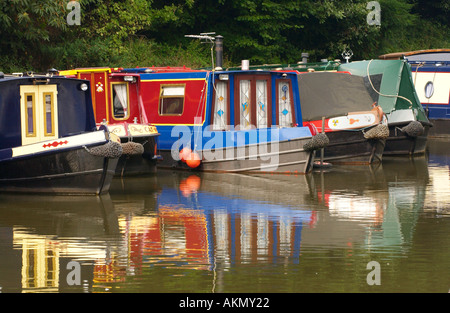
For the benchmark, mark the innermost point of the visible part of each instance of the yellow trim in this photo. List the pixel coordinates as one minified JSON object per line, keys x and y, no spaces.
{"x":86,"y":70}
{"x":33,"y":100}
{"x":127,"y":116}
{"x":106,"y":95}
{"x":52,"y":113}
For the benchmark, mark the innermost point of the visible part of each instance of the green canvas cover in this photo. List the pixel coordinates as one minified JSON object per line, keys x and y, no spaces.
{"x":330,"y":94}
{"x":392,"y":82}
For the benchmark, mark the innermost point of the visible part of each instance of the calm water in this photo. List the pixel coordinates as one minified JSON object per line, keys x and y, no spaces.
{"x":219,"y":233}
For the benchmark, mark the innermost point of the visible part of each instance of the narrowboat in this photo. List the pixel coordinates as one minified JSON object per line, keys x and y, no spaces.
{"x":48,"y":138}
{"x":391,"y":85}
{"x":431,"y":76}
{"x":227,"y":121}
{"x":355,"y":126}
{"x":117,"y":104}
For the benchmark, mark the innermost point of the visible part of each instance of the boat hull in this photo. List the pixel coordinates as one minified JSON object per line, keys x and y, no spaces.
{"x":79,"y":164}
{"x":135,"y":164}
{"x":63,"y":172}
{"x":282,"y":157}
{"x":350,"y":147}
{"x":399,"y":143}
{"x":441,"y":128}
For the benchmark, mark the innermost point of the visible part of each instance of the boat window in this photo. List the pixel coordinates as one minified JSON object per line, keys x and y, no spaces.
{"x":244,"y":104}
{"x":171,"y":100}
{"x":261,"y":104}
{"x":120,"y":100}
{"x":285,"y":118}
{"x":220,"y":112}
{"x":30,"y":115}
{"x":429,"y":90}
{"x":49,"y":123}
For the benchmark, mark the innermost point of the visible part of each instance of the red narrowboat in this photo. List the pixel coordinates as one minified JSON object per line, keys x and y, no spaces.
{"x":117,"y":104}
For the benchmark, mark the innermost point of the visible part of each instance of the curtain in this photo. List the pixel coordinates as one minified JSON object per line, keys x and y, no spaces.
{"x":121,"y":101}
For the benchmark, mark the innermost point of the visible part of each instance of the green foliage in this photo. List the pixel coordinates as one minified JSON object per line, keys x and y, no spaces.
{"x":24,"y":22}
{"x":35,"y":34}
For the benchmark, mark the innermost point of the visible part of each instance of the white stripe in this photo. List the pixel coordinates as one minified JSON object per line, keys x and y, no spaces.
{"x":61,"y":143}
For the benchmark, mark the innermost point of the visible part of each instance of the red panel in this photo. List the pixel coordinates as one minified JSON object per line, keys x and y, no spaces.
{"x":101,"y":91}
{"x":194,"y":101}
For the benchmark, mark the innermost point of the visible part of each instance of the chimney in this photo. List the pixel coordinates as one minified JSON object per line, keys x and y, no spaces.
{"x":305,"y":57}
{"x":219,"y":52}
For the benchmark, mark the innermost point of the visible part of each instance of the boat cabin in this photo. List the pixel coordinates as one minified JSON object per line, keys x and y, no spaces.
{"x":218,"y":110}
{"x":39,"y":108}
{"x":117,"y":103}
{"x":49,"y":142}
{"x":221,"y":101}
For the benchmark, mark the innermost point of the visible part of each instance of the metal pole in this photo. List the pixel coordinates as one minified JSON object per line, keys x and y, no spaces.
{"x":322,"y":150}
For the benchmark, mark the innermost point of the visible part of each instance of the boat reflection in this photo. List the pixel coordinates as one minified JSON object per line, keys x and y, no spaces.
{"x":207,"y":222}
{"x":40,"y":235}
{"x":375,"y":208}
{"x":437,"y":200}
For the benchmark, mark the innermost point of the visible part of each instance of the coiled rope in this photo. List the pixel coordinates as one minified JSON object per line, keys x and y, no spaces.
{"x":413,"y":129}
{"x":317,"y":142}
{"x":380,"y":131}
{"x":112,"y":150}
{"x":132,"y":148}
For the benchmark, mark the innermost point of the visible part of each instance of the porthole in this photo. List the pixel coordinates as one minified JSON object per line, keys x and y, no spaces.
{"x":429,"y":89}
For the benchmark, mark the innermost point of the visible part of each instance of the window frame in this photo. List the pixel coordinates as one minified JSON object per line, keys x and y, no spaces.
{"x":161,"y":98}
{"x":227,"y":105}
{"x":52,"y":113}
{"x":291,"y":97}
{"x":126,"y":116}
{"x":33,"y":95}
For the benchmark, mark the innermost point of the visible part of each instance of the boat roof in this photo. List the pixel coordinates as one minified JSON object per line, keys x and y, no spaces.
{"x":424,"y":55}
{"x":395,"y":86}
{"x":30,"y":77}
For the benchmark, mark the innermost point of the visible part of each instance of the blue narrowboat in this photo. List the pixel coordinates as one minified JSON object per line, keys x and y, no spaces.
{"x":227,"y":121}
{"x":48,"y":138}
{"x":431,"y":76}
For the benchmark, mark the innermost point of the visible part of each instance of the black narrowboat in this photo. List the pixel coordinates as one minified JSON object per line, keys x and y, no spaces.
{"x":49,"y":142}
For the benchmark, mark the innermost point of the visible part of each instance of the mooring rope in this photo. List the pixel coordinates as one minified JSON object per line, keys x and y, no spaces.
{"x":391,"y":96}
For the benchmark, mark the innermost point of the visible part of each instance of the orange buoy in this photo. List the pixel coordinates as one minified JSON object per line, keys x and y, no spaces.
{"x":185,"y":189}
{"x":193,"y":182}
{"x":184,"y":154}
{"x":193,"y":160}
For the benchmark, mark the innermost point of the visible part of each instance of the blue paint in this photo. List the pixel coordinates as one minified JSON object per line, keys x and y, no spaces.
{"x":201,"y":137}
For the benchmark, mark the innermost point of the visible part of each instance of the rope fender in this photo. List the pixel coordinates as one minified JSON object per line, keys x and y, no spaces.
{"x":132,"y":148}
{"x":317,"y":142}
{"x":380,"y":131}
{"x":111,"y":150}
{"x":413,"y":129}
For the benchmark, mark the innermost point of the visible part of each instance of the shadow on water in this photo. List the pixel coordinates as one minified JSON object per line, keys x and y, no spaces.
{"x":205,"y":232}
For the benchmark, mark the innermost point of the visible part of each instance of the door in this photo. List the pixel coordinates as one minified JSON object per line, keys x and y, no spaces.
{"x":253,"y":99}
{"x":39,"y":113}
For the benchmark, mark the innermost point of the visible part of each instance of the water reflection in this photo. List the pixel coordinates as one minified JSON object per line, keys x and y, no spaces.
{"x":216,"y":233}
